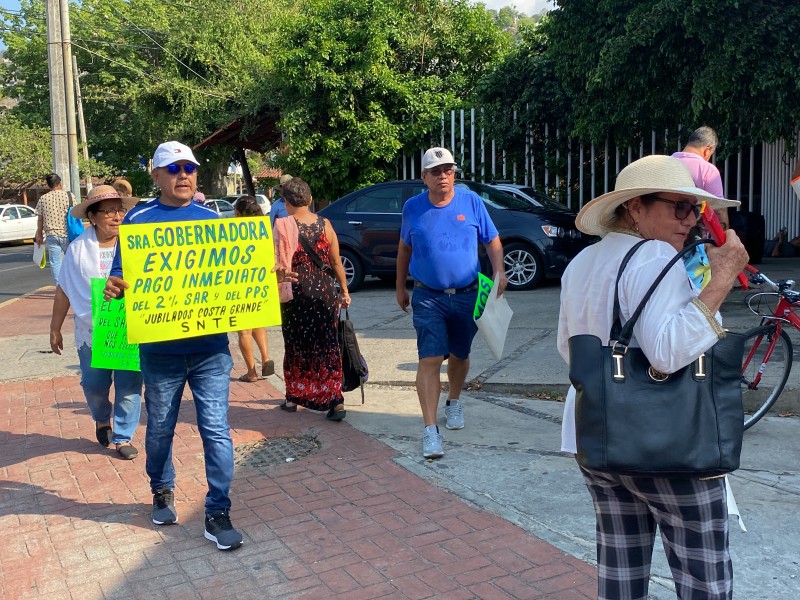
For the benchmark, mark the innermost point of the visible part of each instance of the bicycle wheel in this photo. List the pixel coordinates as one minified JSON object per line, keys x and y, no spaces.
{"x":774,"y":373}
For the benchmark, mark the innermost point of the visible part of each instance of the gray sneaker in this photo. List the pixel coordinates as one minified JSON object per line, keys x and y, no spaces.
{"x":455,"y":415}
{"x":432,"y":444}
{"x":164,"y":507}
{"x":219,"y":529}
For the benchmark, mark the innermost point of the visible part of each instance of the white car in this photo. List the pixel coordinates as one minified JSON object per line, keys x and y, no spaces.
{"x":17,"y":222}
{"x":262,"y":200}
{"x":222,"y":207}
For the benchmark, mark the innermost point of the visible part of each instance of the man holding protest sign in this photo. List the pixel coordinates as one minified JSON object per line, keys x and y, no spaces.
{"x":203,"y":361}
{"x":439,"y":239}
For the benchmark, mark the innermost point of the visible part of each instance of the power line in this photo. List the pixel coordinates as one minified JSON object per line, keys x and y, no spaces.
{"x":153,"y":77}
{"x":89,"y":41}
{"x":160,"y":46}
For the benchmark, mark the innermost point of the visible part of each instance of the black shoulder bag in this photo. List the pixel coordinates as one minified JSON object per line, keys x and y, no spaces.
{"x":354,"y":366}
{"x":633,"y":420}
{"x":325,"y":267}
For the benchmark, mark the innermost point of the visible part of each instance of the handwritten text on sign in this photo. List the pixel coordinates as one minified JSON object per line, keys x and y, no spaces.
{"x":196,"y":278}
{"x":110,"y":347}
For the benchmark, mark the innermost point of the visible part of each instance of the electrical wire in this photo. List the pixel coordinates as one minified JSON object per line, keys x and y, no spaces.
{"x":159,"y":45}
{"x":153,"y":77}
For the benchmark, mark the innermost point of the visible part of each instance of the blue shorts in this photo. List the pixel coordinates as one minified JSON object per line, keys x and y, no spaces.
{"x":444,"y":322}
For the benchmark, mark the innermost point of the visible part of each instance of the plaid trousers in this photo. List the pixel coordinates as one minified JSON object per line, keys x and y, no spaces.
{"x":693,"y":518}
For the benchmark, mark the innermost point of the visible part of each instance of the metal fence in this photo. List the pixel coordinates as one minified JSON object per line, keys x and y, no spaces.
{"x":575,"y":171}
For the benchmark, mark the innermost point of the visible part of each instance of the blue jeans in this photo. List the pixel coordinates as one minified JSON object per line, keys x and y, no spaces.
{"x":56,"y":248}
{"x":208,"y":375}
{"x":96,"y":384}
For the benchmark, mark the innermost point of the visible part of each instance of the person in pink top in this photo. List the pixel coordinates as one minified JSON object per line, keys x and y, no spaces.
{"x":696,"y":156}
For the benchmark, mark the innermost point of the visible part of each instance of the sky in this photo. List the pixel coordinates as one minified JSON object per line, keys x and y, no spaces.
{"x":529,"y":7}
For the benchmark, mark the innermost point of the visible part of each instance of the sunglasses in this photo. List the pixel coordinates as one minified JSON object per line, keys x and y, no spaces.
{"x":682,"y":209}
{"x":174,"y":169}
{"x":110,"y":212}
{"x":438,"y":172}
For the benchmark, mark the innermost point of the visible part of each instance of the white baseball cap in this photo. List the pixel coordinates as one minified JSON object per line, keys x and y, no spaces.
{"x":434,"y":157}
{"x":170,"y":152}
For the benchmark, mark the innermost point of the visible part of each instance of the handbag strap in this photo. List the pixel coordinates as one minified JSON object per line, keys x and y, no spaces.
{"x":314,"y":256}
{"x":624,"y":334}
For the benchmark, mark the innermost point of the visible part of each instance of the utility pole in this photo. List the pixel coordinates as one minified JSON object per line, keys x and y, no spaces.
{"x":81,"y":123}
{"x":69,"y":95}
{"x":55,"y":68}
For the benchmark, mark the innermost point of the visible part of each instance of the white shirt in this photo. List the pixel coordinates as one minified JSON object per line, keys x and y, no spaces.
{"x":672,"y":330}
{"x":81,"y":263}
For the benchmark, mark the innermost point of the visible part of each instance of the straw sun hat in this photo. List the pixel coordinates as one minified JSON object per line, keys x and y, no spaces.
{"x":98,"y":194}
{"x":648,"y":175}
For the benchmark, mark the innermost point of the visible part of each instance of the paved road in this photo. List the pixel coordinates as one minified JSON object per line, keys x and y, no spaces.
{"x":18,"y":274}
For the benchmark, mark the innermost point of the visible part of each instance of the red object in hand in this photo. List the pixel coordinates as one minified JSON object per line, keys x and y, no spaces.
{"x":711,"y":221}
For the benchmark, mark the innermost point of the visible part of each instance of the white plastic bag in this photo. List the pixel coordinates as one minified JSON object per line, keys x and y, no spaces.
{"x":493,"y":323}
{"x":39,"y":255}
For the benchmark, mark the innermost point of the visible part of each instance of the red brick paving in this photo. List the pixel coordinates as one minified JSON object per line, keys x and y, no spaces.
{"x":346,"y":522}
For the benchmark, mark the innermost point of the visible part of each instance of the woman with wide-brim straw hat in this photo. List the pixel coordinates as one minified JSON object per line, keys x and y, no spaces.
{"x":654,"y":198}
{"x":89,"y":256}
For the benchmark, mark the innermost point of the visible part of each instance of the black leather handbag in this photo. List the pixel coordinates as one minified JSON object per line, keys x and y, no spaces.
{"x":633,"y":420}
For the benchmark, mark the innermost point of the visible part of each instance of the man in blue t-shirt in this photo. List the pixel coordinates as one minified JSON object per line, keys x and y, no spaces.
{"x":204,"y":361}
{"x":439,"y":246}
{"x":278,"y":209}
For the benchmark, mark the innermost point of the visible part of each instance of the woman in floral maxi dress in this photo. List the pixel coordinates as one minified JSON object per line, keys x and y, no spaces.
{"x":312,"y":364}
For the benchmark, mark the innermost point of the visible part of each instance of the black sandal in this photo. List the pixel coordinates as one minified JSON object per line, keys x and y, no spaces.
{"x":103,"y":434}
{"x":287,"y":408}
{"x":127,"y":451}
{"x":336,"y":413}
{"x":268,"y":368}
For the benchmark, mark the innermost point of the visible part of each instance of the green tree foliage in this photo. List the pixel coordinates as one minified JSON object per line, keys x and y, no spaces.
{"x":359,"y":80}
{"x":150,"y":71}
{"x":25,"y":155}
{"x":630,"y":66}
{"x":350,"y":82}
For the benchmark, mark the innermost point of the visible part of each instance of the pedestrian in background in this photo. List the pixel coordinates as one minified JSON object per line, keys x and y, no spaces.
{"x":247,"y":206}
{"x":696,"y":157}
{"x":306,"y":245}
{"x":51,"y":229}
{"x":90,"y":256}
{"x":439,"y":239}
{"x":203,"y":361}
{"x":278,"y":209}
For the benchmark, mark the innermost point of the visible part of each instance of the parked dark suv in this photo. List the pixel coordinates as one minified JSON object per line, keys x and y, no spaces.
{"x":537,"y":241}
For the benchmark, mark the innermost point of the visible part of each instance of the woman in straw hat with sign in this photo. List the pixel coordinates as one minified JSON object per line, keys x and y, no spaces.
{"x":654,"y":199}
{"x":89,"y":256}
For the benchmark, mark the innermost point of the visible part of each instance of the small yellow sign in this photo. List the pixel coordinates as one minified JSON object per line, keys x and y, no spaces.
{"x":192,"y":278}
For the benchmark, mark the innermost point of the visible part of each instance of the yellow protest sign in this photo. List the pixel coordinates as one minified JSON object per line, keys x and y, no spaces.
{"x":192,"y":278}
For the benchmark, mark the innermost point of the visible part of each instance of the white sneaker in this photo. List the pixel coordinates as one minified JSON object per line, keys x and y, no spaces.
{"x":455,"y":415}
{"x":432,"y":444}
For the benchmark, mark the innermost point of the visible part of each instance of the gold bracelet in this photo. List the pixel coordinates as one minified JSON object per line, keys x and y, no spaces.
{"x":710,"y":317}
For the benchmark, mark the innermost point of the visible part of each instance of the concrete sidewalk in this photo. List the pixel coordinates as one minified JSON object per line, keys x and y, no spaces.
{"x":325,"y":509}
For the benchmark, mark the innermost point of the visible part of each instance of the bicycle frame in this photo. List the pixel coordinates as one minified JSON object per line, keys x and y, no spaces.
{"x":784,"y":313}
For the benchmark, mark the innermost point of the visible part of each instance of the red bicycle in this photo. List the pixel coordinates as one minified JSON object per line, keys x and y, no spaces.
{"x":768,"y":348}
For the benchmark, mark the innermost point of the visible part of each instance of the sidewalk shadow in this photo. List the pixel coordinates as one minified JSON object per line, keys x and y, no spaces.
{"x":18,"y":498}
{"x":18,"y":448}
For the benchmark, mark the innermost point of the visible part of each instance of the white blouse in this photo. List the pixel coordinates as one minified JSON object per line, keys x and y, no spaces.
{"x":673,"y":329}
